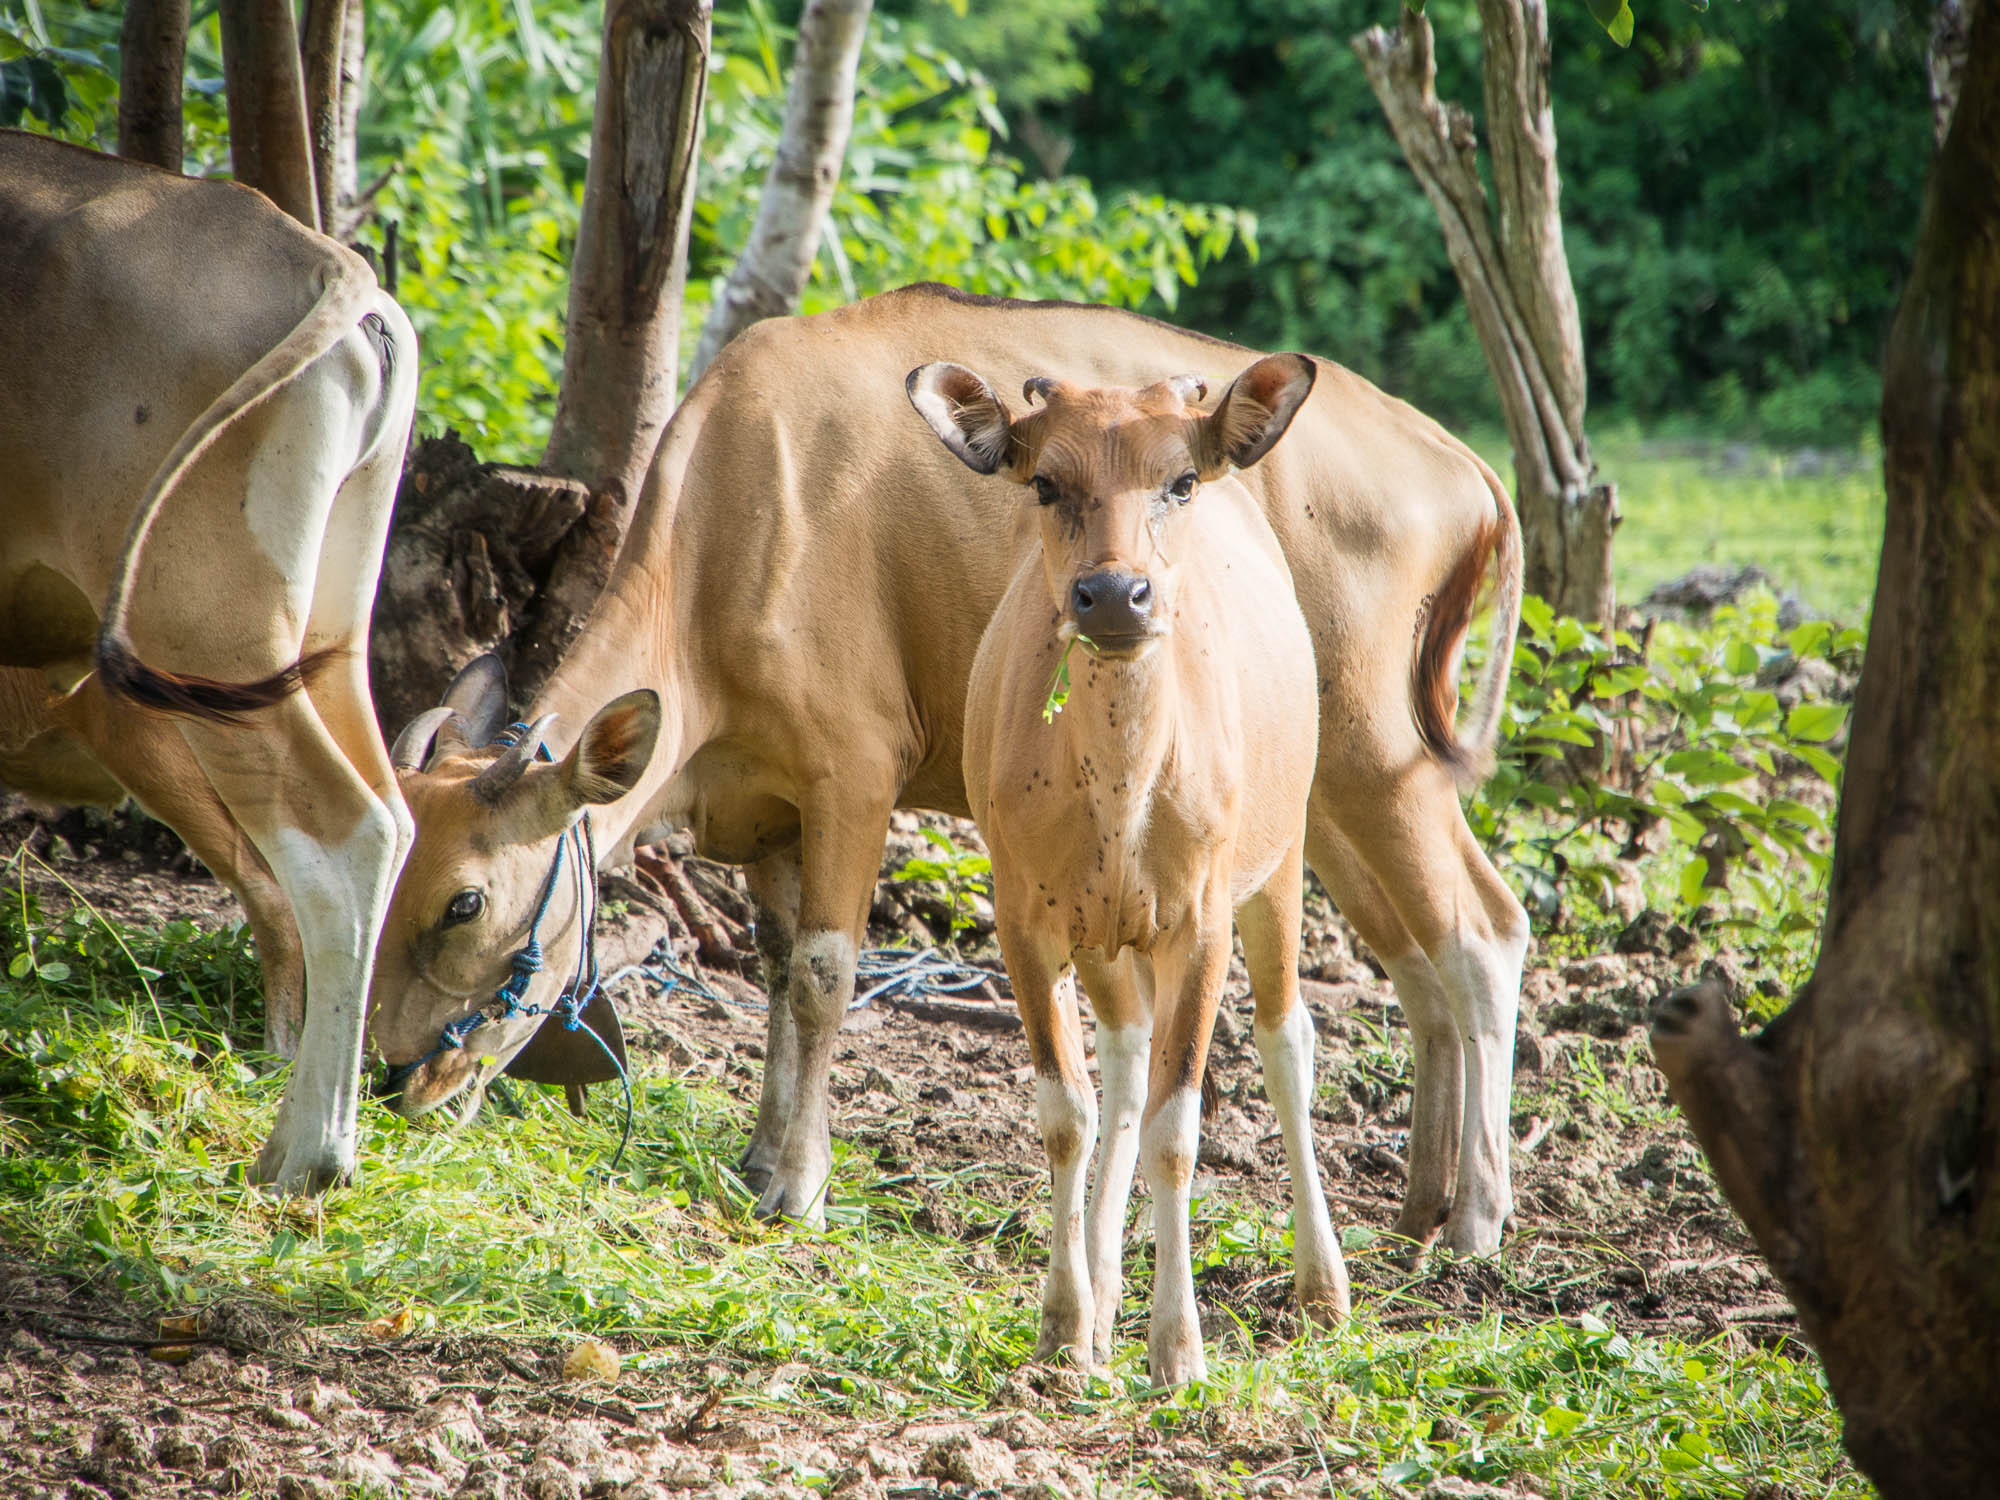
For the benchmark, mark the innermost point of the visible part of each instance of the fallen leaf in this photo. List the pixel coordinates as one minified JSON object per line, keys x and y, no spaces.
{"x":591,"y":1359}
{"x":393,"y":1326}
{"x":172,"y":1354}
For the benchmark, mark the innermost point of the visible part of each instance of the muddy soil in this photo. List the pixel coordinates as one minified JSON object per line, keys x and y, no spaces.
{"x":1617,"y":1215}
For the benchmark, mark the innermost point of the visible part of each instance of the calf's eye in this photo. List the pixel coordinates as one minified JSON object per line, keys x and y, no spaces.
{"x":465,"y":906}
{"x":1045,"y":489}
{"x":1183,"y":488}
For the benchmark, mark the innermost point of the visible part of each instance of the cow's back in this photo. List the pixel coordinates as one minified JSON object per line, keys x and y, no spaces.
{"x":134,"y":298}
{"x":820,"y":570}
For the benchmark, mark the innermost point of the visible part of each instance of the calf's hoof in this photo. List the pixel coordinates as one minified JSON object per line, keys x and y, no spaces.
{"x":1176,"y":1364}
{"x":754,"y":1168}
{"x":1324,"y":1304}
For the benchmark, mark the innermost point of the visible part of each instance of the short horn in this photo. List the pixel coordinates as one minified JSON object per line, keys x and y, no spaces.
{"x":493,"y":783}
{"x":1037,"y":388}
{"x":413,"y":745}
{"x":1190,"y":388}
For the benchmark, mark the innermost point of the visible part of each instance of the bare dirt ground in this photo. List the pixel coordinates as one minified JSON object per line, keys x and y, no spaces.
{"x":1616,"y":1215}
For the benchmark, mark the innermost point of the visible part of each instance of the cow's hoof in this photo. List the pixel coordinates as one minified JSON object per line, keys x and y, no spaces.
{"x":784,"y":1202}
{"x":1325,"y":1304}
{"x":301,"y":1171}
{"x":755,"y":1167}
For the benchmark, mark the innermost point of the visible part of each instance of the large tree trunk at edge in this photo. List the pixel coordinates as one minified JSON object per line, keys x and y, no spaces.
{"x":152,"y":55}
{"x":483,"y":556}
{"x":1859,"y":1134}
{"x":1515,"y":279}
{"x":770,"y":274}
{"x":269,"y":146}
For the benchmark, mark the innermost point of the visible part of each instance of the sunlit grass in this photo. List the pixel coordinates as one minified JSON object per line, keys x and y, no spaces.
{"x":128,"y":1136}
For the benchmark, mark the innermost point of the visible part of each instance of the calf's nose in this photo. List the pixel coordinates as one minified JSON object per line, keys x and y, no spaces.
{"x":1113,"y":603}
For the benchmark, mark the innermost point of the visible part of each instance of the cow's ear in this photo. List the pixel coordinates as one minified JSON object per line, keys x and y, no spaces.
{"x":615,"y":748}
{"x":965,"y":414}
{"x":1254,"y":413}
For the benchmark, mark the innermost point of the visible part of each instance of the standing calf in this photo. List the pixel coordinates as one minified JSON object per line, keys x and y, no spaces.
{"x":1171,"y":791}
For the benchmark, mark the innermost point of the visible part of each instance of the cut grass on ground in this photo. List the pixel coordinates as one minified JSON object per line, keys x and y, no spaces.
{"x":128,"y":1126}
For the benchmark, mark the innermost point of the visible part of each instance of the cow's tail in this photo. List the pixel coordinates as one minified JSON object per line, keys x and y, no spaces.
{"x":342,"y":301}
{"x":1434,"y":684}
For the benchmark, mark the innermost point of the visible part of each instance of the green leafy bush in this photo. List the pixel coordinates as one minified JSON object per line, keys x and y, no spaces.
{"x":1698,"y":760}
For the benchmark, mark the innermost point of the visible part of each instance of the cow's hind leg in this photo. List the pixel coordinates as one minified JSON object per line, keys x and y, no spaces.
{"x":1268,"y":923}
{"x":774,"y":890}
{"x":1472,"y":934}
{"x":844,"y":822}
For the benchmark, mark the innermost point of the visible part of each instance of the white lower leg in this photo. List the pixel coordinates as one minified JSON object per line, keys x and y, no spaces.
{"x":1068,"y":1117}
{"x":1169,"y":1141}
{"x":1318,"y":1272}
{"x":1482,"y":979}
{"x":338,"y":896}
{"x":1122,"y":1055}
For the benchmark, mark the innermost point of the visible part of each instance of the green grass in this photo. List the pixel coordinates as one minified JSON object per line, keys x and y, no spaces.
{"x":128,"y":1124}
{"x":1818,"y":535}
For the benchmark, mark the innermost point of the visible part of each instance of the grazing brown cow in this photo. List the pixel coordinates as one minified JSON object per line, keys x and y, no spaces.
{"x":805,"y":586}
{"x":1169,"y":792}
{"x":203,"y":409}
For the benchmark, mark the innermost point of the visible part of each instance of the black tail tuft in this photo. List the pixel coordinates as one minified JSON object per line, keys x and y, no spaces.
{"x":125,"y":676}
{"x":1211,"y":1093}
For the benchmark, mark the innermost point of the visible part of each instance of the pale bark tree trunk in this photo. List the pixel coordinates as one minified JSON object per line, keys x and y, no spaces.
{"x":771,"y":273}
{"x":1859,"y":1134}
{"x":152,"y":52}
{"x":1950,"y":31}
{"x":1515,"y":278}
{"x":484,"y":556}
{"x":348,"y":207}
{"x":269,"y":145}
{"x":325,"y":44}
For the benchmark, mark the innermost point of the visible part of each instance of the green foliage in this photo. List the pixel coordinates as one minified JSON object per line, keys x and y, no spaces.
{"x":961,"y":873}
{"x":1740,"y":190}
{"x":1677,"y":753}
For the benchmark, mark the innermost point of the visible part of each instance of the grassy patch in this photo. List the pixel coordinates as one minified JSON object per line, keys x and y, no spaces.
{"x":129,"y":1124}
{"x":1813,"y":523}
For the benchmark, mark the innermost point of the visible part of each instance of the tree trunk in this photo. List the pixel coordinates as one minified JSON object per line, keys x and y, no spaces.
{"x":268,"y":142}
{"x":1516,"y":279}
{"x":626,"y":283}
{"x":1950,"y":31}
{"x":348,"y":208}
{"x":770,"y":274}
{"x":152,"y":51}
{"x":325,"y":73}
{"x":1859,"y":1135}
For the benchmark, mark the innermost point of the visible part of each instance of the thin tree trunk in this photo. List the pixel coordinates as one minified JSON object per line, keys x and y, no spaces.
{"x":269,"y":146}
{"x":1950,"y":31}
{"x":1516,"y":279}
{"x":1859,"y":1134}
{"x":325,"y":41}
{"x":626,"y":284}
{"x":152,"y":51}
{"x":347,"y":139}
{"x":771,"y":273}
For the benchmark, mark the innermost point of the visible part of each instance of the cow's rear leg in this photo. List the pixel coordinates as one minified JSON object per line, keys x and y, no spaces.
{"x":1121,"y":995}
{"x":148,"y":757}
{"x":1268,"y":924}
{"x":844,"y":827}
{"x":774,"y":891}
{"x":335,"y":852}
{"x":1459,"y":918}
{"x":1437,"y":1092}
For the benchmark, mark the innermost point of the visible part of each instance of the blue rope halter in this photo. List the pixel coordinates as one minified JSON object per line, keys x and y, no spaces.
{"x":568,"y":1007}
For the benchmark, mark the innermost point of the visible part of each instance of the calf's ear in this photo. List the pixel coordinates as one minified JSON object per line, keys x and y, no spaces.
{"x":965,"y":414}
{"x":1254,"y":413}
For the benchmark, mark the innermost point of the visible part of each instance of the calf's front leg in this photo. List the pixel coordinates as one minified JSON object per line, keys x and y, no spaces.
{"x":1190,"y":971}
